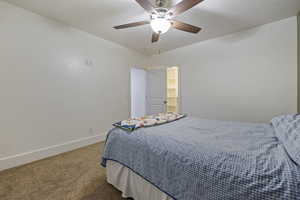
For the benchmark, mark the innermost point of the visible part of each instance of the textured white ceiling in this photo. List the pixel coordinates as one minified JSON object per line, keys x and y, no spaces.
{"x":216,"y":17}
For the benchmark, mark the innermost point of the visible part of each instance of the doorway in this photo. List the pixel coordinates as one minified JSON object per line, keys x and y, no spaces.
{"x":154,"y":91}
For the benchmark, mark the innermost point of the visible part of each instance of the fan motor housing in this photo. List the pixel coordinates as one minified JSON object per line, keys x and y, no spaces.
{"x":160,"y":13}
{"x":162,"y":3}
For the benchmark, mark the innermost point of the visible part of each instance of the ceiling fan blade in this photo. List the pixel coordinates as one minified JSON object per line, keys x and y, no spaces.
{"x":134,"y":24}
{"x":146,"y":5}
{"x":183,"y":6}
{"x":155,"y":37}
{"x":185,"y":27}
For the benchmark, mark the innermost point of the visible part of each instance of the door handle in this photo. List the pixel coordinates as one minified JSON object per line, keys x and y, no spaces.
{"x":165,"y":102}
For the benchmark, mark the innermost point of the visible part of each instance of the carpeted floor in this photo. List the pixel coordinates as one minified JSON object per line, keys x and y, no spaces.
{"x":76,"y":175}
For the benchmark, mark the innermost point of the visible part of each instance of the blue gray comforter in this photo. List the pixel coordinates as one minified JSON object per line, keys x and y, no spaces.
{"x":194,"y":159}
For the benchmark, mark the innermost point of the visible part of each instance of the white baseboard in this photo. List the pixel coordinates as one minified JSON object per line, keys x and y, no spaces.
{"x":27,"y":157}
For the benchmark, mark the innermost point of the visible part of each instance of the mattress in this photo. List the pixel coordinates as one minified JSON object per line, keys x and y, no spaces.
{"x":131,"y":184}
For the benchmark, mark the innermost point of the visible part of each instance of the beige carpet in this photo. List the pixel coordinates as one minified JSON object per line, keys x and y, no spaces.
{"x":76,"y":175}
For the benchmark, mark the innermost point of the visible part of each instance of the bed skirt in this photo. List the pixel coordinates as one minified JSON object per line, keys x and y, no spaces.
{"x":131,"y":184}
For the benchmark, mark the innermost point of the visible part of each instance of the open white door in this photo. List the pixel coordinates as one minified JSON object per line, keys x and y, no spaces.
{"x":156,"y":91}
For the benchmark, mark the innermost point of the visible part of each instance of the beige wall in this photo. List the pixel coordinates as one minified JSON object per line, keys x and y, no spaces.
{"x":52,"y":97}
{"x":247,"y":76}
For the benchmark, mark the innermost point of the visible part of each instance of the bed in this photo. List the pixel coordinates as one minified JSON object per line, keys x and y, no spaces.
{"x":197,"y":159}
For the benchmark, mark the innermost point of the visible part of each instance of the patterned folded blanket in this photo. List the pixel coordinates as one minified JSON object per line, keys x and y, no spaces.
{"x":147,"y":121}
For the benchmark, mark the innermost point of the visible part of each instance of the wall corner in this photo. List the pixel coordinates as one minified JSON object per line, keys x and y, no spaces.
{"x":298,"y":69}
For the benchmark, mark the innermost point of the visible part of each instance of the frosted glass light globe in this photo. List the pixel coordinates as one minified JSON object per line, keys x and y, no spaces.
{"x":160,"y":25}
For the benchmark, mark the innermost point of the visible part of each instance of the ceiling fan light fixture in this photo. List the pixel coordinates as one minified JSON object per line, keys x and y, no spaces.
{"x":161,"y":17}
{"x":160,"y":25}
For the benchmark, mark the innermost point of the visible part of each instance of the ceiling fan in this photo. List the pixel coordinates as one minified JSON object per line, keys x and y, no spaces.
{"x":161,"y":18}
